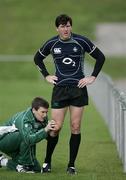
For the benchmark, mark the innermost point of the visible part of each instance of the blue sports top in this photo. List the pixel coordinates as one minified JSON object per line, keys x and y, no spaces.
{"x":68,"y":56}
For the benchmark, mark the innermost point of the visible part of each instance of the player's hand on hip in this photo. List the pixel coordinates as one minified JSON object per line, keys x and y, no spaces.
{"x":51,"y":79}
{"x":86,"y":81}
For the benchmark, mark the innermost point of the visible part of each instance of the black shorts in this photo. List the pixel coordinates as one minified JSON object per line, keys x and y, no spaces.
{"x":63,"y":96}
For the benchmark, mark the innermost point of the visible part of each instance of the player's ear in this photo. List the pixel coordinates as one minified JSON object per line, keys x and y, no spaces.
{"x":33,"y":110}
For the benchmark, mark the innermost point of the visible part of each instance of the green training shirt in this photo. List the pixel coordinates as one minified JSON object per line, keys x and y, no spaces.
{"x":30,"y":130}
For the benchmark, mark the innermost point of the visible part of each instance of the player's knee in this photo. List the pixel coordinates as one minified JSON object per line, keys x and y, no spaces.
{"x":75,"y":128}
{"x":56,"y":131}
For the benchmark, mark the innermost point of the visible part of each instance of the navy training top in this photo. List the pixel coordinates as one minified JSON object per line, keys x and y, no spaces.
{"x":68,"y":56}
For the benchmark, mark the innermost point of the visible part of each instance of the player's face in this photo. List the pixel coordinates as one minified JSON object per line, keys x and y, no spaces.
{"x":64,"y":31}
{"x":40,"y":114}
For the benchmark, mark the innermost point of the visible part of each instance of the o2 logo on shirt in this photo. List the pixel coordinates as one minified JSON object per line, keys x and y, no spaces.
{"x":68,"y":61}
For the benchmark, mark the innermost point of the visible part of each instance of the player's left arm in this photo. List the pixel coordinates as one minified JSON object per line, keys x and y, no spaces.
{"x":100,"y":59}
{"x":96,"y":53}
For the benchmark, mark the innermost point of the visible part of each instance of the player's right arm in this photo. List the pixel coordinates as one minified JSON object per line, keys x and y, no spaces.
{"x":39,"y":57}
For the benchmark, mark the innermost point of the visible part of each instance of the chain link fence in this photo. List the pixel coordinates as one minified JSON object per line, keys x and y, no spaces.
{"x":111,"y":103}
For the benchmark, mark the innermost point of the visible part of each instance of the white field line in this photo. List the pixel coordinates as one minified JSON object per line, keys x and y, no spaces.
{"x":16,"y":58}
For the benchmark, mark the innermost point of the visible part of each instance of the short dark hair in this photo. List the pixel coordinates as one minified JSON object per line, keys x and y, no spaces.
{"x":63,"y":19}
{"x":39,"y":102}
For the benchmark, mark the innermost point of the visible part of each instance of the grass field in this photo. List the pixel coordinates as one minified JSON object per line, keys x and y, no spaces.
{"x":25,"y":25}
{"x":97,"y":159}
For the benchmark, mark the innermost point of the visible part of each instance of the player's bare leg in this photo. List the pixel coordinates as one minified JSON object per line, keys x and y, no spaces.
{"x":58,"y":116}
{"x":75,"y":124}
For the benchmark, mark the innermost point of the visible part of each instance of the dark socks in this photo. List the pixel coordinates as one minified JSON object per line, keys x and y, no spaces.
{"x":74,"y":147}
{"x":51,"y":144}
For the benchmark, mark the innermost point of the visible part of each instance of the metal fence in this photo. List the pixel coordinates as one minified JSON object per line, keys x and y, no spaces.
{"x":111,"y":103}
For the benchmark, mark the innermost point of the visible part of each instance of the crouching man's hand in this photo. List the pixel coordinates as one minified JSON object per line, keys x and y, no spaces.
{"x":51,"y":126}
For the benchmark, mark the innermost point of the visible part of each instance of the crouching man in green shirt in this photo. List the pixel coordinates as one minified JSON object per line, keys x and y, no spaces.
{"x":19,"y":135}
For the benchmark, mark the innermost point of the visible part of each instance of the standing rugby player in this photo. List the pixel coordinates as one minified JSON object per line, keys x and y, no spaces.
{"x":69,"y":93}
